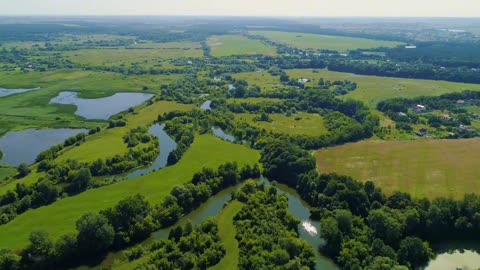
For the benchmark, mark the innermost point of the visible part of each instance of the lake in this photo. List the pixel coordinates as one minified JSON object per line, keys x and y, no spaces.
{"x":457,"y":256}
{"x":24,"y":146}
{"x":221,"y":134}
{"x":206,"y":105}
{"x":101,"y":108}
{"x":167,"y":145}
{"x":7,"y":92}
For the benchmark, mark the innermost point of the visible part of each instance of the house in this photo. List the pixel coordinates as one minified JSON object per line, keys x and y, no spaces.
{"x":463,"y":129}
{"x":446,"y":117}
{"x":303,"y":81}
{"x":460,"y":101}
{"x":475,"y":116}
{"x":402,"y":114}
{"x":419,"y":108}
{"x":422,"y":132}
{"x":217,"y":79}
{"x":410,"y":47}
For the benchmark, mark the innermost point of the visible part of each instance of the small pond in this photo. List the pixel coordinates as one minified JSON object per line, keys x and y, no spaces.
{"x":167,"y":145}
{"x":7,"y":92}
{"x":456,"y":255}
{"x":101,"y":108}
{"x":24,"y":146}
{"x":221,"y":134}
{"x":206,"y":105}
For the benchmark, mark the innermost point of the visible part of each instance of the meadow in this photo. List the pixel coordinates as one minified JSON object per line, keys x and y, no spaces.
{"x":227,"y":232}
{"x":307,"y":124}
{"x":262,"y":79}
{"x":227,"y":45}
{"x":252,"y":100}
{"x":318,"y":42}
{"x":373,"y":89}
{"x":59,"y":218}
{"x":423,"y":168}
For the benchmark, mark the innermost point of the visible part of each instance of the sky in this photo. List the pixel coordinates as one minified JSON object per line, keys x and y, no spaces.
{"x":302,"y":8}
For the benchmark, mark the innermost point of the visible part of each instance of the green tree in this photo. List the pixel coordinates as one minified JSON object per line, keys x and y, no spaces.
{"x":414,"y":253}
{"x":23,"y":170}
{"x":95,"y":234}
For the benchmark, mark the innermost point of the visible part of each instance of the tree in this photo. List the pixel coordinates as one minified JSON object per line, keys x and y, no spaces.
{"x":95,"y":234}
{"x":332,"y":235}
{"x":23,"y":170}
{"x":81,"y":181}
{"x":414,"y":253}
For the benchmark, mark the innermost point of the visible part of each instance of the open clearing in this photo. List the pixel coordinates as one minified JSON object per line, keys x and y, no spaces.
{"x":307,"y":123}
{"x":423,"y":168}
{"x":262,"y":79}
{"x":228,"y":45}
{"x":59,"y":218}
{"x":373,"y":89}
{"x":318,"y":42}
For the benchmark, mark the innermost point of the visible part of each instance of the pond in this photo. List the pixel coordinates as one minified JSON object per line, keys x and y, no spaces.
{"x":206,"y":105}
{"x":167,"y":145}
{"x":7,"y":92}
{"x":221,"y":134}
{"x":24,"y":146}
{"x":456,"y":255}
{"x":101,"y":108}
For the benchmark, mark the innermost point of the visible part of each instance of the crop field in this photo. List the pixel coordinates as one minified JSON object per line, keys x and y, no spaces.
{"x":373,"y":89}
{"x":318,"y":42}
{"x":228,"y":45}
{"x":110,"y":142}
{"x":32,"y":109}
{"x":423,"y":168}
{"x":263,"y":79}
{"x":227,"y":232}
{"x":297,"y":124}
{"x":118,"y":56}
{"x":59,"y":218}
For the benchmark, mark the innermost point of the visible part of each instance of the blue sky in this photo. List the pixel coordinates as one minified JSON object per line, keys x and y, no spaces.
{"x":440,"y":8}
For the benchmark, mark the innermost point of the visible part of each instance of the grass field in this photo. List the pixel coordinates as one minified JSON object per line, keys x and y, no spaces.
{"x":314,"y":41}
{"x":423,"y":168}
{"x":227,"y":45}
{"x":263,"y":79}
{"x":227,"y":233}
{"x":308,"y":124}
{"x":372,"y":89}
{"x":110,"y":142}
{"x":32,"y":109}
{"x":59,"y":218}
{"x":252,"y":100}
{"x":28,"y":180}
{"x":6,"y":172}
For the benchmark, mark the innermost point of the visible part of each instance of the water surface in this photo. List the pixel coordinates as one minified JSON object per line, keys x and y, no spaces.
{"x":206,"y":105}
{"x":456,"y":255}
{"x":7,"y":92}
{"x":24,"y":146}
{"x":221,"y":134}
{"x":167,"y":145}
{"x":101,"y":108}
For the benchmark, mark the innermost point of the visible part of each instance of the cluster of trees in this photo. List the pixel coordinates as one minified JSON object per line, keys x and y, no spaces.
{"x":53,"y":151}
{"x":204,"y":184}
{"x":339,"y":87}
{"x":136,"y":136}
{"x":188,"y":247}
{"x":364,"y":228}
{"x":181,"y":129}
{"x":267,"y":232}
{"x":129,"y":222}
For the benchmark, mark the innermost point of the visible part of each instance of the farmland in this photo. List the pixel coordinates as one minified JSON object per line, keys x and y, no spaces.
{"x":423,"y":168}
{"x":228,"y":45}
{"x":372,"y":89}
{"x":318,"y":42}
{"x":297,"y":124}
{"x":59,"y":218}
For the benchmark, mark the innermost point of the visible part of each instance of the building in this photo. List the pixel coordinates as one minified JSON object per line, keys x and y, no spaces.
{"x":419,"y":108}
{"x":446,"y":117}
{"x":303,"y":81}
{"x":460,"y":101}
{"x":402,"y":114}
{"x":422,"y":132}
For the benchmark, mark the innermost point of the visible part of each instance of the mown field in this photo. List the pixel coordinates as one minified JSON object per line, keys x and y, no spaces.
{"x":32,"y":109}
{"x":228,"y":45}
{"x":372,"y":89}
{"x":297,"y":124}
{"x":423,"y":168}
{"x":59,"y":218}
{"x":139,"y":53}
{"x":314,"y":41}
{"x":227,"y":232}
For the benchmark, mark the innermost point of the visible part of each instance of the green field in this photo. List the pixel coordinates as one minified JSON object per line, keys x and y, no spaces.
{"x":372,"y":89}
{"x":228,"y":45}
{"x":6,"y":172}
{"x":227,"y":232}
{"x":423,"y":168}
{"x":307,"y":123}
{"x":110,"y":141}
{"x":59,"y":218}
{"x":32,"y":109}
{"x":263,"y":79}
{"x":252,"y":100}
{"x":140,"y":53}
{"x":318,"y":42}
